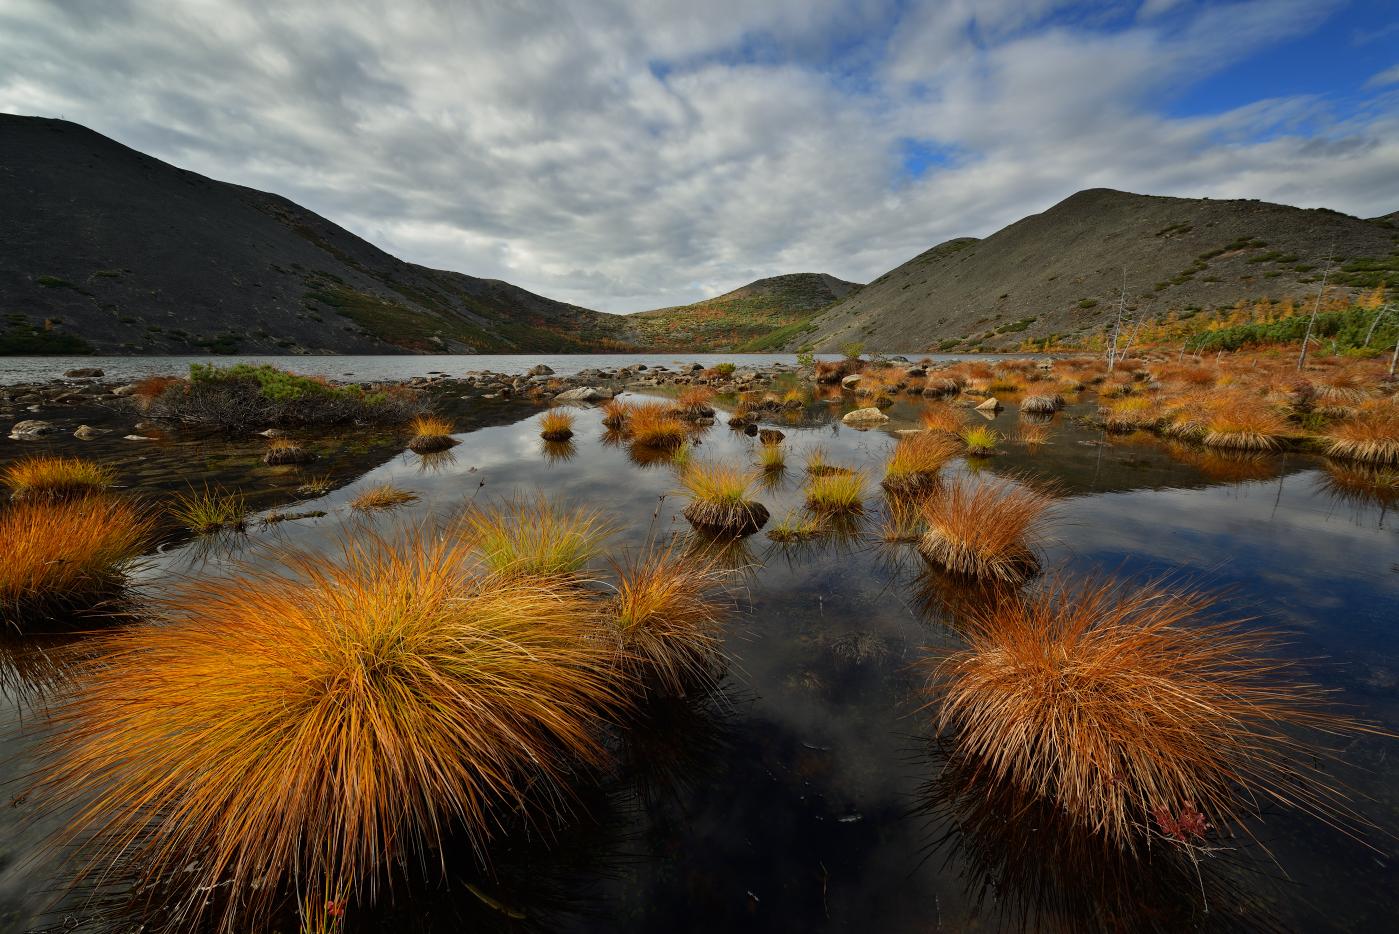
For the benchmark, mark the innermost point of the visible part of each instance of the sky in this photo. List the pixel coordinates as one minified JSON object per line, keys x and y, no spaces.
{"x":632,"y":155}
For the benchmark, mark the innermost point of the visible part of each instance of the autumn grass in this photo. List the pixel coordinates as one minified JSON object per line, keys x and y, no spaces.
{"x":693,"y":402}
{"x":556,"y":425}
{"x":616,"y":413}
{"x":719,"y":499}
{"x":772,"y":458}
{"x":1032,"y":434}
{"x":1371,"y":437}
{"x":382,"y":497}
{"x":48,"y":477}
{"x":1132,"y":413}
{"x":797,"y":526}
{"x":654,"y":426}
{"x":63,"y":555}
{"x":1125,"y":708}
{"x":284,"y":451}
{"x":320,"y":723}
{"x":1243,"y":422}
{"x":985,"y":528}
{"x":667,"y":616}
{"x":942,"y":418}
{"x":818,"y":464}
{"x":980,"y":439}
{"x":914,"y":463}
{"x":210,"y":509}
{"x":534,"y":536}
{"x":431,"y":433}
{"x":836,"y":494}
{"x":1041,"y":405}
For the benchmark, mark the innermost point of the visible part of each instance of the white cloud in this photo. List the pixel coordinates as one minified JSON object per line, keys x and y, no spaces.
{"x":624,"y":156}
{"x":1385,"y":78}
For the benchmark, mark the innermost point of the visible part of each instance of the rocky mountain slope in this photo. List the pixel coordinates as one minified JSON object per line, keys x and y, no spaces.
{"x":107,"y":249}
{"x":1061,"y":272}
{"x":761,"y":315}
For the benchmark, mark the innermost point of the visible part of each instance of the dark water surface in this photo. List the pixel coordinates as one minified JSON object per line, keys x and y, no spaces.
{"x":805,"y":795}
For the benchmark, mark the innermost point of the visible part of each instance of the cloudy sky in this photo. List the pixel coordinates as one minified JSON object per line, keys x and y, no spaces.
{"x":631,"y":155}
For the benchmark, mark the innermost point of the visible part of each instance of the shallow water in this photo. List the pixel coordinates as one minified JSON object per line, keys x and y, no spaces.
{"x":798,"y":798}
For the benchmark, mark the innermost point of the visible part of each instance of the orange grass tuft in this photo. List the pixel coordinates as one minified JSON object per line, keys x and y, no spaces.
{"x":835,"y":494}
{"x":1118,"y":705}
{"x":615,"y":413}
{"x":430,"y":434}
{"x":943,"y":418}
{"x":654,"y":426}
{"x":55,"y":477}
{"x":534,"y":537}
{"x":667,"y":617}
{"x":381,"y":497}
{"x":556,"y":425}
{"x":985,"y":528}
{"x":1371,"y":437}
{"x":693,"y":402}
{"x":1243,"y":422}
{"x":719,"y":499}
{"x":324,"y":722}
{"x":61,"y":555}
{"x":915,"y":461}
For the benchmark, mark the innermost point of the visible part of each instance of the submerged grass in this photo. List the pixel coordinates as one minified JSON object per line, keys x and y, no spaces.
{"x":1132,"y":714}
{"x":209,"y":510}
{"x":319,"y":724}
{"x":382,"y":497}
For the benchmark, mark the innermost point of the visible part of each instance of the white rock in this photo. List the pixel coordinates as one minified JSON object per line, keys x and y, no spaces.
{"x":865,"y":418}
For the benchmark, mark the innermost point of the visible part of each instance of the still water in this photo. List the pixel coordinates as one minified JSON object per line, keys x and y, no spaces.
{"x":805,"y":794}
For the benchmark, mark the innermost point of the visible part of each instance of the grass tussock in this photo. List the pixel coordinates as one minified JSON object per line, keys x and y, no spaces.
{"x":694,"y":402}
{"x":431,"y":433}
{"x":985,"y":528}
{"x":210,"y":509}
{"x":283,"y":451}
{"x":797,"y":526}
{"x":1131,"y":413}
{"x":942,"y":418}
{"x":45,"y":477}
{"x":818,"y":465}
{"x":382,"y":497}
{"x":535,"y":537}
{"x":63,"y":555}
{"x":772,"y":458}
{"x":915,"y":461}
{"x":1243,"y":422}
{"x":1032,"y":434}
{"x":836,"y":494}
{"x":556,"y":425}
{"x":667,"y":616}
{"x":653,"y":425}
{"x":1371,"y":437}
{"x":980,"y":440}
{"x":719,"y":499}
{"x":327,"y":719}
{"x":616,"y":413}
{"x":1131,"y":714}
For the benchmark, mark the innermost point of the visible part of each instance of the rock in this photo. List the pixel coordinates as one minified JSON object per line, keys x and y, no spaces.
{"x":30,"y":428}
{"x":87,"y":432}
{"x":750,"y":429}
{"x":127,"y":390}
{"x":770,"y":436}
{"x":84,"y":372}
{"x":867,"y":417}
{"x":640,"y":367}
{"x":136,"y":438}
{"x":146,"y":426}
{"x":851,"y":381}
{"x":68,"y":397}
{"x":539,"y":370}
{"x":268,"y":433}
{"x":584,"y":394}
{"x":696,"y":367}
{"x":914,"y":372}
{"x":992,"y":404}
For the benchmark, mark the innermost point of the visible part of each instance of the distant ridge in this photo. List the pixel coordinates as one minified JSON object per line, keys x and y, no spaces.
{"x":1060,"y":272}
{"x":110,"y":249}
{"x":758,"y":316}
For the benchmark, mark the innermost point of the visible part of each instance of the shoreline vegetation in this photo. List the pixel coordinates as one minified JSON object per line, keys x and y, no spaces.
{"x":242,"y":748}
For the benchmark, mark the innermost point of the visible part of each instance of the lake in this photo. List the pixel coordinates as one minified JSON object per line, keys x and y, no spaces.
{"x":805,"y":793}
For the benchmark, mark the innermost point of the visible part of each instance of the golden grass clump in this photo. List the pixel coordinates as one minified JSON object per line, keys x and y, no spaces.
{"x":654,"y":426}
{"x":943,"y":418}
{"x":1132,"y":413}
{"x":693,"y":402}
{"x":915,"y":461}
{"x":797,"y":526}
{"x":1032,"y":434}
{"x":719,"y":499}
{"x":431,"y":433}
{"x":1042,"y":405}
{"x":980,"y":439}
{"x":382,"y":497}
{"x":322,"y":723}
{"x":556,"y":425}
{"x":64,"y":555}
{"x":817,"y":464}
{"x":836,"y":494}
{"x":985,"y":528}
{"x":615,"y":413}
{"x":532,"y":536}
{"x":772,"y":458}
{"x":211,"y":509}
{"x":1371,"y":437}
{"x":42,"y":477}
{"x":1243,"y":422}
{"x":284,"y":451}
{"x":1129,"y":713}
{"x":667,"y":617}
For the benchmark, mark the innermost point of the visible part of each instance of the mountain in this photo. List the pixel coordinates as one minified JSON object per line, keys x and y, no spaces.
{"x":107,"y":249}
{"x":1061,"y":272}
{"x":762,"y":315}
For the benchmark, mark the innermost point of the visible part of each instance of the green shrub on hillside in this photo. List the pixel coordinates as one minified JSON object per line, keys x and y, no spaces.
{"x":1346,"y":328}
